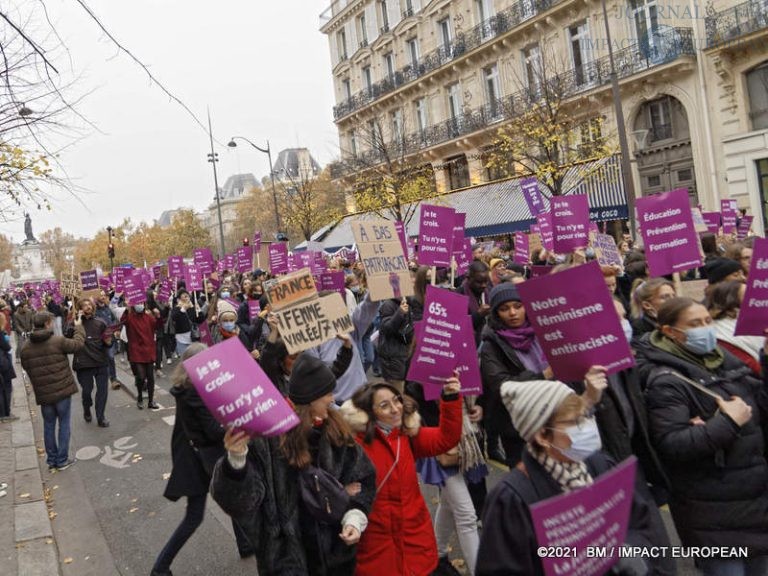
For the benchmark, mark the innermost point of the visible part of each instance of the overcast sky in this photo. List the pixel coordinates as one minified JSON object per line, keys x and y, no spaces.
{"x":262,"y":67}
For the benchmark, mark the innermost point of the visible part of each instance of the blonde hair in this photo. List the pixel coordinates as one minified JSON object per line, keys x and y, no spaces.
{"x":643,"y":291}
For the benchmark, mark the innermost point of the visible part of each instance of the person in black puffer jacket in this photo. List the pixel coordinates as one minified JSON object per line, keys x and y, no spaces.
{"x":708,"y":435}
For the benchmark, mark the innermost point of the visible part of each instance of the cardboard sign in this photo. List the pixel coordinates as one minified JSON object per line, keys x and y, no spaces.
{"x":176,"y":266}
{"x":193,"y":278}
{"x":69,"y":285}
{"x":745,"y":224}
{"x":89,"y":280}
{"x":382,"y":255}
{"x":438,"y":346}
{"x":237,"y":392}
{"x":671,"y":243}
{"x":753,"y":314}
{"x":135,"y":291}
{"x":522,"y":249}
{"x":312,"y":322}
{"x":591,"y":521}
{"x":532,"y":194}
{"x":570,"y":222}
{"x":436,"y":235}
{"x":728,"y":212}
{"x":575,"y":322}
{"x":291,"y":289}
{"x":712,"y":220}
{"x":278,"y":258}
{"x":544,"y":222}
{"x":694,"y":289}
{"x":606,"y":251}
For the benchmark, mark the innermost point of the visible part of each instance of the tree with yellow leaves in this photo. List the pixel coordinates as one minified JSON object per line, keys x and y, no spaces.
{"x":309,"y":201}
{"x":58,"y":248}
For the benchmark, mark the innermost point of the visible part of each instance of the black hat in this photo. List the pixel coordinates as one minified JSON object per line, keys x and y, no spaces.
{"x":503,"y":292}
{"x":310,"y":379}
{"x":258,"y":272}
{"x":719,"y":268}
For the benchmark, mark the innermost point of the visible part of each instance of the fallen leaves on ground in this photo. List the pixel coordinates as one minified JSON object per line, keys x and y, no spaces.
{"x":68,"y":560}
{"x":132,"y":510}
{"x":25,"y":495}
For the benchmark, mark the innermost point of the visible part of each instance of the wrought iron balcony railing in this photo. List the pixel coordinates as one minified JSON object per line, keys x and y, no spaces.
{"x":729,"y":25}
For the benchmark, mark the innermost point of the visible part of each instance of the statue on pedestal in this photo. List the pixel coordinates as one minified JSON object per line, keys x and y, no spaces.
{"x":30,"y":239}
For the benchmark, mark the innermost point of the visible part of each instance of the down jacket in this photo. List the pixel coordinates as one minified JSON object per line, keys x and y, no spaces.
{"x":717,"y":470}
{"x":395,"y":336}
{"x":44,"y":358}
{"x":140,"y":330}
{"x":400,"y":539}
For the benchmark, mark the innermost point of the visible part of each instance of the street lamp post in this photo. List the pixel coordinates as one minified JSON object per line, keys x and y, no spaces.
{"x":213,"y":157}
{"x":110,"y":249}
{"x":268,"y":152}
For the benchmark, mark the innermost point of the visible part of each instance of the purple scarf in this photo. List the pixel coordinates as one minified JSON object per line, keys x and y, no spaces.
{"x":523,"y":341}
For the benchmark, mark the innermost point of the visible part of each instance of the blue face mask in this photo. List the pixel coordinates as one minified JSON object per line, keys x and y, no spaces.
{"x":585,"y":441}
{"x":702,"y":340}
{"x":225,"y":295}
{"x":228,"y":326}
{"x":627,"y":327}
{"x":139,"y":308}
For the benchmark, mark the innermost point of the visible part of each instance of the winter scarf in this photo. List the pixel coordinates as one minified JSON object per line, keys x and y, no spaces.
{"x":523,"y":341}
{"x":225,"y":334}
{"x":710,"y":362}
{"x":569,"y":475}
{"x":473,"y":464}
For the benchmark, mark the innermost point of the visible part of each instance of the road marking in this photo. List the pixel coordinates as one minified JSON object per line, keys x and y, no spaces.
{"x":170,"y":420}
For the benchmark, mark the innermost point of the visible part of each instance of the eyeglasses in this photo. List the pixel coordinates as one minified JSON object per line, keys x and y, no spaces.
{"x":390,"y":405}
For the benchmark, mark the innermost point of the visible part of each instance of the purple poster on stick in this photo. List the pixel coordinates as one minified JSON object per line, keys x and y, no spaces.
{"x":436,"y":235}
{"x":544,"y":222}
{"x":521,"y":248}
{"x":254,"y":309}
{"x":157,"y":272}
{"x":244,"y":259}
{"x":237,"y":392}
{"x":532,"y":194}
{"x":229,"y":262}
{"x":728,"y":211}
{"x":570,"y":223}
{"x":278,"y":258}
{"x":742,"y":231}
{"x":590,"y":523}
{"x":135,"y":292}
{"x":575,"y":322}
{"x":89,"y":280}
{"x":193,"y":277}
{"x":463,"y":257}
{"x":753,"y":314}
{"x":401,"y":235}
{"x":333,"y":281}
{"x":205,"y":333}
{"x":256,"y":242}
{"x":104,"y":283}
{"x":176,"y":266}
{"x":666,"y":223}
{"x":712,"y":220}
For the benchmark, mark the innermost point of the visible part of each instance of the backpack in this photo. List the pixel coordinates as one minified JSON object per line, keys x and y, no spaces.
{"x":323,"y":495}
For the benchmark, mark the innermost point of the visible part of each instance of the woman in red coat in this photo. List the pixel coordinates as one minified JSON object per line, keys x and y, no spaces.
{"x":140,"y":326}
{"x":399,"y":539}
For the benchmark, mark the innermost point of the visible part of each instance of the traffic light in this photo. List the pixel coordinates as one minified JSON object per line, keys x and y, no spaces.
{"x":111,"y":250}
{"x":246,"y":241}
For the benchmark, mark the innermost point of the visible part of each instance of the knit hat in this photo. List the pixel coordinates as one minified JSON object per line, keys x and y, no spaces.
{"x":495,"y":262}
{"x":719,"y":268}
{"x":503,"y":292}
{"x":532,"y":403}
{"x":310,"y":379}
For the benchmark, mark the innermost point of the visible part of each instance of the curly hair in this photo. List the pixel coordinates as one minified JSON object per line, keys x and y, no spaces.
{"x":363,"y":400}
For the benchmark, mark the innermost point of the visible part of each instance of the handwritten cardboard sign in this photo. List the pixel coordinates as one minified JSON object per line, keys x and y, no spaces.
{"x":436,"y":235}
{"x":69,"y":285}
{"x":291,"y":289}
{"x":575,"y":322}
{"x":312,"y":322}
{"x":237,"y":392}
{"x":386,"y":266}
{"x":606,"y":251}
{"x":592,"y":520}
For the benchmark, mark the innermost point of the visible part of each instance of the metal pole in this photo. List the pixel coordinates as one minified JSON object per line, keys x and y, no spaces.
{"x":274,"y":193}
{"x":213,"y":159}
{"x":111,"y":259}
{"x":626,"y":166}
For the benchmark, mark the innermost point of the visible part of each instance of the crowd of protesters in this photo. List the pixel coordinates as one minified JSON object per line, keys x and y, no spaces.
{"x":368,"y":432}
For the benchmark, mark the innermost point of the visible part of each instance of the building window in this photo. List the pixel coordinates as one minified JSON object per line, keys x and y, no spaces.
{"x":413,"y":51}
{"x":484,"y":10}
{"x":397,"y":125}
{"x":367,"y":78}
{"x":444,"y":26}
{"x":659,"y":119}
{"x":532,"y":69}
{"x":591,"y":138}
{"x":421,"y":114}
{"x":646,"y":21}
{"x":757,"y":88}
{"x":454,"y":101}
{"x":685,"y":175}
{"x":762,"y":183}
{"x":341,"y":43}
{"x":408,"y":9}
{"x":374,"y":134}
{"x":352,"y":143}
{"x":654,"y":181}
{"x":384,"y":10}
{"x":346,"y":88}
{"x":458,"y":172}
{"x":362,"y":26}
{"x":493,"y":90}
{"x":389,"y":64}
{"x":578,"y":38}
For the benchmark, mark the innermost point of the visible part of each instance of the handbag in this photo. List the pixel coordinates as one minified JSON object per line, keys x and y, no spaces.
{"x":323,"y":495}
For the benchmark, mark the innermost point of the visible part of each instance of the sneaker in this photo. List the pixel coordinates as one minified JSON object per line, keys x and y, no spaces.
{"x":66,"y":465}
{"x":153,"y":406}
{"x":140,"y":404}
{"x":103,"y":423}
{"x":169,"y":361}
{"x":87,"y":415}
{"x":116,"y":384}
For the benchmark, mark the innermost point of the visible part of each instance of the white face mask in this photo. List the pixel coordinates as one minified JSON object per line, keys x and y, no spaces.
{"x":585,"y":441}
{"x":627,"y":327}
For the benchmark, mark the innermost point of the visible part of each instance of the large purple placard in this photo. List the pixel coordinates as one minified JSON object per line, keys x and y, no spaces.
{"x":244,"y":259}
{"x":278,"y":258}
{"x":712,"y":220}
{"x":570,"y":223}
{"x":744,"y":226}
{"x":521,"y":248}
{"x":591,"y":521}
{"x":544,"y":222}
{"x":176,"y":266}
{"x":254,"y":309}
{"x":333,"y":280}
{"x":728,"y":211}
{"x":753,"y":314}
{"x":205,"y":333}
{"x":237,"y":392}
{"x":193,"y":277}
{"x":575,"y":322}
{"x":666,"y":223}
{"x":135,"y":291}
{"x":436,"y":235}
{"x":89,"y":280}
{"x":532,"y":194}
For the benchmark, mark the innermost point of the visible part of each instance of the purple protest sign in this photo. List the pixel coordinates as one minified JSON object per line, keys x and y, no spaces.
{"x":135,"y":291}
{"x":119,"y":273}
{"x":401,"y":234}
{"x":570,"y":223}
{"x":278,"y":258}
{"x":176,"y":266}
{"x":319,"y":263}
{"x":753,"y":313}
{"x":468,"y":366}
{"x":205,"y":333}
{"x":575,"y":322}
{"x":537,"y":270}
{"x":521,"y":248}
{"x":104,"y":283}
{"x":457,"y":244}
{"x":591,"y":522}
{"x":436,"y":235}
{"x":193,"y":277}
{"x":256,"y":242}
{"x":203,"y":259}
{"x":157,"y":272}
{"x":712,"y":220}
{"x":220,"y":267}
{"x":237,"y":392}
{"x":532,"y":194}
{"x":89,"y":280}
{"x":244,"y":259}
{"x":229,"y":262}
{"x":744,"y":226}
{"x":165,"y":290}
{"x":463,"y":257}
{"x":728,"y":212}
{"x":437,"y":350}
{"x":333,"y":281}
{"x":254,"y":309}
{"x":666,"y":223}
{"x":544,"y":222}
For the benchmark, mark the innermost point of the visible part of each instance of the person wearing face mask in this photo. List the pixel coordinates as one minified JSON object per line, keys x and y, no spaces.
{"x":140,"y":327}
{"x":228,"y":328}
{"x":562,"y":454}
{"x":647,"y":298}
{"x":224,"y":302}
{"x":707,"y":416}
{"x":351,"y":292}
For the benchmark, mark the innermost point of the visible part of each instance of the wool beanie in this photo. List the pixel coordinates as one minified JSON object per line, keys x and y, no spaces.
{"x":719,"y":268}
{"x":532,"y":403}
{"x":503,"y":292}
{"x":310,"y":379}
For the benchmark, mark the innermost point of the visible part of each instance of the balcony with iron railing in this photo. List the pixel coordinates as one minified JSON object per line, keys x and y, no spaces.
{"x":727,"y":26}
{"x":669,"y":45}
{"x":486,"y":31}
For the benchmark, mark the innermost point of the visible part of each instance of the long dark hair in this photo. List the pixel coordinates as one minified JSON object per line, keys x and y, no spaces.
{"x":295,"y":444}
{"x":363,"y":400}
{"x":669,"y":312}
{"x":724,"y":300}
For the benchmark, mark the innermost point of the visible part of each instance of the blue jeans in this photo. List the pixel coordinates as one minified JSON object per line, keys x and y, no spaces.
{"x":57,"y":452}
{"x":111,"y":354}
{"x":86,"y":378}
{"x":757,"y":566}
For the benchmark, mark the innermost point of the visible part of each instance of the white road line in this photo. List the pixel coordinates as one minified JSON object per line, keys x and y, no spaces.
{"x":170,"y":420}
